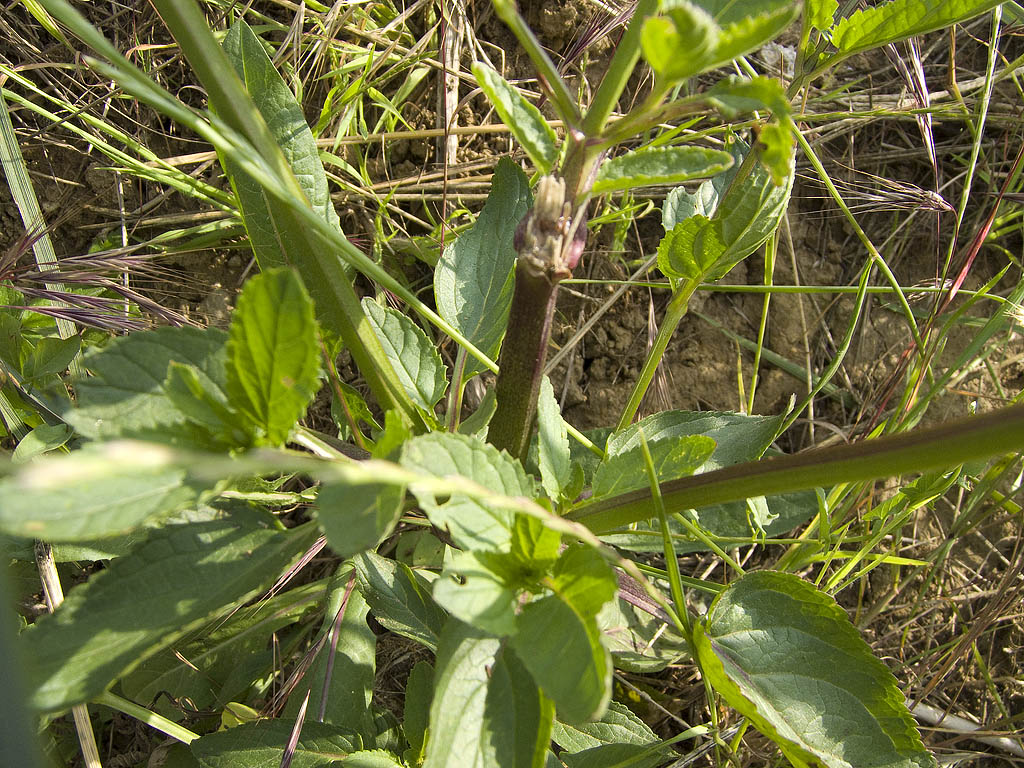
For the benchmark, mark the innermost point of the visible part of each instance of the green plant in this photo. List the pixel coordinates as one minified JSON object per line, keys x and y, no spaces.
{"x":525,"y":538}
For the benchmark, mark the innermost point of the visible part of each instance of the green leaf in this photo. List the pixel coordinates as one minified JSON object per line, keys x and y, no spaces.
{"x":552,"y":443}
{"x":184,"y":388}
{"x":899,"y":19}
{"x":219,"y":663}
{"x":738,"y":438}
{"x":561,"y":647}
{"x":347,"y":694}
{"x":619,"y":756}
{"x":694,"y":37}
{"x":820,"y":14}
{"x":523,"y":118}
{"x":473,"y":590}
{"x":618,"y":725}
{"x":419,"y":692}
{"x":126,"y":393}
{"x":472,"y":524}
{"x":624,"y":470}
{"x":638,"y":641}
{"x":534,"y":545}
{"x":787,"y":657}
{"x":684,"y":28}
{"x":473,"y":278}
{"x":749,"y":210}
{"x":582,"y":578}
{"x":753,"y":29}
{"x":101,"y":490}
{"x":414,"y":356}
{"x":42,"y":439}
{"x":51,"y":355}
{"x":180,"y":577}
{"x":287,"y":124}
{"x":486,"y":710}
{"x":273,"y":365}
{"x":734,"y":95}
{"x":261,"y":745}
{"x":374,"y":758}
{"x":661,"y":165}
{"x":399,"y":599}
{"x":356,"y":518}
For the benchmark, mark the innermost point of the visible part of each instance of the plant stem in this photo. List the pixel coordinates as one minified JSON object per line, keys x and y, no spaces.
{"x":627,"y":53}
{"x":947,"y":445}
{"x":674,"y":313}
{"x":522,"y":362}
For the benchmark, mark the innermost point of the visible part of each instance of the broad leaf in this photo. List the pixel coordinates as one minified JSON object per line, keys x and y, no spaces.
{"x":413,"y":355}
{"x":219,"y":663}
{"x":787,"y":657}
{"x":582,"y":578}
{"x":684,"y":27}
{"x":472,"y":524}
{"x":261,"y":745}
{"x":523,"y":118}
{"x":356,"y":518}
{"x":625,"y":470}
{"x":419,"y":692}
{"x":287,"y":123}
{"x":101,"y":490}
{"x":473,"y":590}
{"x":820,"y":14}
{"x":553,"y":455}
{"x":42,"y":439}
{"x":273,"y":366}
{"x":618,"y":725}
{"x":126,"y":392}
{"x":345,"y":700}
{"x":749,"y":210}
{"x":694,"y":37}
{"x":473,"y":279}
{"x":486,"y":710}
{"x":372,"y":758}
{"x":561,"y":646}
{"x":399,"y":599}
{"x":180,"y":577}
{"x":899,"y":19}
{"x":620,"y":756}
{"x":661,"y":165}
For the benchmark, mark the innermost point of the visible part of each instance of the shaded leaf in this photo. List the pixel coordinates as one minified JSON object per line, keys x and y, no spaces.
{"x":618,"y":725}
{"x":473,"y":278}
{"x":42,"y":439}
{"x":399,"y":599}
{"x":356,"y":518}
{"x":553,"y":456}
{"x":486,"y":711}
{"x":419,"y":692}
{"x":787,"y":657}
{"x":561,"y":647}
{"x":126,"y":393}
{"x":523,"y":118}
{"x":261,"y":744}
{"x":181,"y":576}
{"x":352,"y":668}
{"x":625,"y":470}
